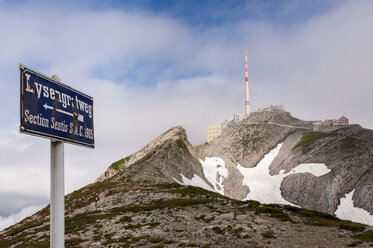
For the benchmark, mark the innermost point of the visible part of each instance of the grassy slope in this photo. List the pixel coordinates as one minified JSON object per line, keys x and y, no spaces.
{"x":35,"y":233}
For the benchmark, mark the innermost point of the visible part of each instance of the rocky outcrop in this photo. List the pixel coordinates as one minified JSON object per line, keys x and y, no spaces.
{"x":347,"y":153}
{"x":170,"y":153}
{"x":167,"y":157}
{"x":363,"y":195}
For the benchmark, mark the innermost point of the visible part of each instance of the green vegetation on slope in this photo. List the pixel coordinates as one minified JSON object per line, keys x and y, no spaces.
{"x":180,"y":143}
{"x":117,"y":165}
{"x":365,"y":236}
{"x":309,"y":138}
{"x":182,"y":197}
{"x":324,"y":219}
{"x":349,"y":143}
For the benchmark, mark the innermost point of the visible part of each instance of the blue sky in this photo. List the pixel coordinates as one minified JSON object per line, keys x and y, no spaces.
{"x":151,"y":65}
{"x":210,"y":13}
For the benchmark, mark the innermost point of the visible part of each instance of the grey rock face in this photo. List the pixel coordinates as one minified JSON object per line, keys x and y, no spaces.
{"x":363,"y":195}
{"x":165,"y":158}
{"x":173,"y":136}
{"x":350,"y":160}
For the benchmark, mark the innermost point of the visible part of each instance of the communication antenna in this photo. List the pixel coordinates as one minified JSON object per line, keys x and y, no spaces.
{"x":247,"y":96}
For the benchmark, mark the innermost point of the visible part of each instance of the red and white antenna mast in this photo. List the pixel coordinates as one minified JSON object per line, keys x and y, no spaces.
{"x":247,"y":96}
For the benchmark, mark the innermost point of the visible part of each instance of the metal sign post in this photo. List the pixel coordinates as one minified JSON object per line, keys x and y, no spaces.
{"x":60,"y":113}
{"x":57,"y":207}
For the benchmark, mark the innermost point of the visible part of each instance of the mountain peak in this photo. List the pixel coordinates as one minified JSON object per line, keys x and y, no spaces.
{"x":174,"y":134}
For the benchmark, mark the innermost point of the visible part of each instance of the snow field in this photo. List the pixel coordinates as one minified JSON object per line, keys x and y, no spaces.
{"x":215,"y":171}
{"x":196,"y":181}
{"x":266,"y":188}
{"x":263,"y":187}
{"x":316,"y":169}
{"x":347,"y":211}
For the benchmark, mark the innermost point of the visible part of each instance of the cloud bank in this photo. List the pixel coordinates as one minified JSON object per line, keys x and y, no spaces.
{"x":14,"y":218}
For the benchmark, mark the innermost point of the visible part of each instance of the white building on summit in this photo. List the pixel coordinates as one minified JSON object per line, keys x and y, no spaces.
{"x":214,"y":131}
{"x":330,"y":124}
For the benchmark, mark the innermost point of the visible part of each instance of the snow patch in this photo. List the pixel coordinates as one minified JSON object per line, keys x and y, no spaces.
{"x":266,"y":188}
{"x":215,"y":171}
{"x":263,"y":187}
{"x":196,"y":181}
{"x":317,"y":169}
{"x":347,"y":211}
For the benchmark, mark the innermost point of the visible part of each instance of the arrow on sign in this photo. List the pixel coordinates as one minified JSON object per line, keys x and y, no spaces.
{"x":46,"y":106}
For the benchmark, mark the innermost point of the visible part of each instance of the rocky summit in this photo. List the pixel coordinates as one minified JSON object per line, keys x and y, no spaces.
{"x":268,"y":181}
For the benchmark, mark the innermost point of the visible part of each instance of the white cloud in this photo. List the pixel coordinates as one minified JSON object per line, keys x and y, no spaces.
{"x":26,"y":179}
{"x":11,"y":140}
{"x":14,"y":218}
